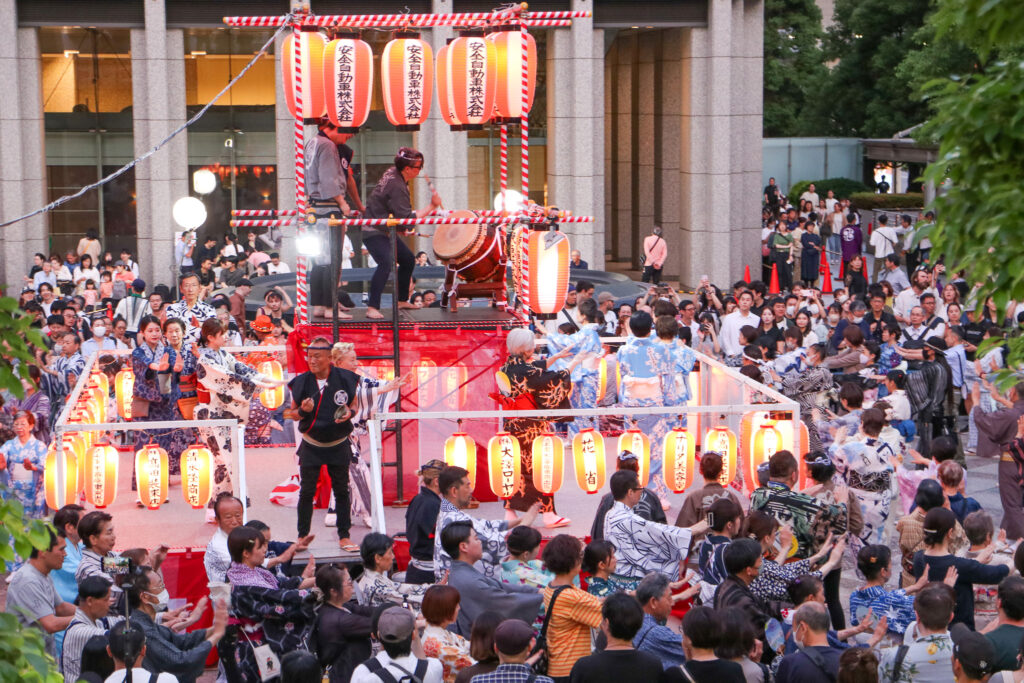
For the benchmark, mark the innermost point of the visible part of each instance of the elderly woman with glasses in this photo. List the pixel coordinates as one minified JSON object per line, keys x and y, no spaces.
{"x":390,"y":198}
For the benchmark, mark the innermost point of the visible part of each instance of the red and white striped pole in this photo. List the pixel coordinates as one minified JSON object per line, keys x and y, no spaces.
{"x":301,"y":286}
{"x":524,"y":123}
{"x":260,"y":213}
{"x":504,"y":162}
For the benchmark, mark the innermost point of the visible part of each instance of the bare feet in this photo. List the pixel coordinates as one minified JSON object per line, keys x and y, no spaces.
{"x":405,"y":304}
{"x":374,"y":314}
{"x":344,"y":316}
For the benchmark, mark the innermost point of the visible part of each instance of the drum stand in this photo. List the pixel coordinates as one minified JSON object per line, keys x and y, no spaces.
{"x":495,"y":288}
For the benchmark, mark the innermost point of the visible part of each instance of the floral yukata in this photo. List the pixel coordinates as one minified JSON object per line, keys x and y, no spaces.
{"x":642,"y":546}
{"x":549,"y":390}
{"x":808,"y":389}
{"x":193,"y":316}
{"x":864,"y":464}
{"x":450,"y":648}
{"x":25,"y":485}
{"x":162,"y":407}
{"x":530,"y":573}
{"x":378,"y":589}
{"x":585,"y":376}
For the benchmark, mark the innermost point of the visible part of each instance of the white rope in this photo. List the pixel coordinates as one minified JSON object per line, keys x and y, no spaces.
{"x":68,"y":197}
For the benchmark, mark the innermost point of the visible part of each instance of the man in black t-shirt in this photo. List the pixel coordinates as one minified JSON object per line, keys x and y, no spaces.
{"x":621,"y":618}
{"x":321,"y":402}
{"x":772,"y":197}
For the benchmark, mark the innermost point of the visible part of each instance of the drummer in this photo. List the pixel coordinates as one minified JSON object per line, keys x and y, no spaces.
{"x":390,"y":198}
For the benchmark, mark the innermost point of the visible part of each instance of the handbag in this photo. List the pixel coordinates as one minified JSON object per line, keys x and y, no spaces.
{"x":541,"y":665}
{"x":266,"y":660}
{"x":140,"y":407}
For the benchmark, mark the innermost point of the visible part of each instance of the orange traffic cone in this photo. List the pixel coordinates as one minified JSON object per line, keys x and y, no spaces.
{"x":774,"y":287}
{"x":826,"y":286}
{"x":746,"y":274}
{"x":842,"y":267}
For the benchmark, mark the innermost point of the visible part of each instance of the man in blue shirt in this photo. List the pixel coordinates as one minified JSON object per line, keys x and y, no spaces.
{"x":655,"y":595}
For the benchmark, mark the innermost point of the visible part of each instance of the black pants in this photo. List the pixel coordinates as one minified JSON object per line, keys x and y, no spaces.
{"x":781,"y":259}
{"x":418,"y":576}
{"x":309,"y":474}
{"x":379,"y":247}
{"x":652,"y":274}
{"x":832,"y":601}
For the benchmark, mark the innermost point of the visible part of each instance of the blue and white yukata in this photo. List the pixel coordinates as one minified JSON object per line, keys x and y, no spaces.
{"x":864,"y":463}
{"x":585,"y":376}
{"x":162,"y":406}
{"x":23,"y":484}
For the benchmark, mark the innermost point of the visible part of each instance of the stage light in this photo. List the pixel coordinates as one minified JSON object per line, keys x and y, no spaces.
{"x":308,"y":244}
{"x":204,"y":181}
{"x":460,"y":451}
{"x":151,"y":470}
{"x":548,"y":460}
{"x":510,"y":201}
{"x":503,"y":464}
{"x":407,"y":80}
{"x":197,"y":475}
{"x":348,"y":82}
{"x":101,"y":475}
{"x":722,"y":440}
{"x":637,"y":443}
{"x":124,"y":383}
{"x":588,"y":458}
{"x":57,"y":496}
{"x":314,"y":104}
{"x":678,"y":458}
{"x":189,"y":212}
{"x":272,"y":398}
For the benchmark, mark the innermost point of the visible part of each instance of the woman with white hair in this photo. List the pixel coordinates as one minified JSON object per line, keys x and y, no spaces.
{"x":528,"y":384}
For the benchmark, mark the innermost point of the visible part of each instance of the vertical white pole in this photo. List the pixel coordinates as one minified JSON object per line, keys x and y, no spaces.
{"x":243,"y":489}
{"x":376,"y":475}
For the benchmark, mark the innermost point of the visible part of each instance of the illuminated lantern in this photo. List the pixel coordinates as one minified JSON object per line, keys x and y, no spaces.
{"x":272,"y":398}
{"x":96,"y":396}
{"x":503,"y":464}
{"x":348,"y":82}
{"x":99,"y":380}
{"x":679,"y":458}
{"x":151,"y":469}
{"x":454,"y":386}
{"x":799,"y":449}
{"x":460,"y":451}
{"x":78,"y":443}
{"x":466,"y":81}
{"x":609,"y":377}
{"x":510,"y":49}
{"x":426,"y":382}
{"x":637,"y":443}
{"x":693,"y":419}
{"x":59,"y":494}
{"x":588,"y":457}
{"x":545,"y":271}
{"x":548,"y":459}
{"x":765,"y":442}
{"x":124,"y":382}
{"x":384,"y":370}
{"x":197,"y":475}
{"x":407,"y":80}
{"x":314,"y":104}
{"x":101,"y":475}
{"x":723,"y":441}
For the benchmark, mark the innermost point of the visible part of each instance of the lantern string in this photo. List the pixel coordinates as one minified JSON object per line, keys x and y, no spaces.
{"x":131,"y":164}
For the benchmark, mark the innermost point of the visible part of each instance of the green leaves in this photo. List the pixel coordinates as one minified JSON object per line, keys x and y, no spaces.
{"x":794,"y":68}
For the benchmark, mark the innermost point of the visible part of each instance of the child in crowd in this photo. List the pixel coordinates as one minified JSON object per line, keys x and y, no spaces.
{"x":599,"y":562}
{"x":943,"y":449}
{"x":951,"y":478}
{"x":279,"y":554}
{"x":106,"y":285}
{"x":523,"y":567}
{"x":875,"y":563}
{"x":90,"y":293}
{"x":725,"y":519}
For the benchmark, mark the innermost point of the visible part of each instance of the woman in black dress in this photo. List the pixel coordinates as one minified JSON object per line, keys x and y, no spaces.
{"x":810,"y":258}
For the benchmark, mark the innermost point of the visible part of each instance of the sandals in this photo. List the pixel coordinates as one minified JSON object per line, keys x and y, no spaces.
{"x":347,"y":545}
{"x":560,"y":522}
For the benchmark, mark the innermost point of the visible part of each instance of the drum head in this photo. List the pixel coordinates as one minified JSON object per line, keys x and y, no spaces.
{"x":451,"y":240}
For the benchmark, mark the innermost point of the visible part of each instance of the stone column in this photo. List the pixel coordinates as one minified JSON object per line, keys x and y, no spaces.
{"x":624,"y":141}
{"x":158,"y":103}
{"x":284,"y":126}
{"x":22,"y":155}
{"x":575,"y":153}
{"x":667,"y":122}
{"x":746,"y":134}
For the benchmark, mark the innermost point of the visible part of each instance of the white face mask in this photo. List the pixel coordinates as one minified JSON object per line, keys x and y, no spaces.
{"x":813,"y":309}
{"x":162,"y":598}
{"x":842,"y":298}
{"x":98,"y":330}
{"x":834,"y":319}
{"x":864,"y":358}
{"x":790,"y":311}
{"x":857,"y":321}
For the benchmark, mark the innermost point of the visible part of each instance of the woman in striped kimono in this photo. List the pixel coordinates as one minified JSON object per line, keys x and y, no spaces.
{"x":585,"y":376}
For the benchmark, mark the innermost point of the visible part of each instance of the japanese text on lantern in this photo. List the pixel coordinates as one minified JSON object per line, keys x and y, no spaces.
{"x":346,"y":92}
{"x":477,"y":64}
{"x":679,"y":473}
{"x":770,"y":444}
{"x":508,"y":468}
{"x":414,"y":104}
{"x":99,"y":472}
{"x":192,"y":477}
{"x":589,"y":459}
{"x":547,"y":472}
{"x":153,"y":466}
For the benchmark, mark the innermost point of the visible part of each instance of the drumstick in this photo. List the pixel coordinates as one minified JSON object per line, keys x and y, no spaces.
{"x":430,"y":184}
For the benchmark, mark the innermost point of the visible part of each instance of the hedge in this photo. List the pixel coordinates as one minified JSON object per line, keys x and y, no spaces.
{"x":869,"y":200}
{"x":842,"y":187}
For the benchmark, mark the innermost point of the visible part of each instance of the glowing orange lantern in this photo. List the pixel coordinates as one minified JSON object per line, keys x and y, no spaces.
{"x":124,"y":383}
{"x":460,"y":451}
{"x":272,"y":398}
{"x":588,"y":457}
{"x":512,"y":53}
{"x":197,"y":475}
{"x":101,"y":475}
{"x":503,"y":464}
{"x":765,"y":442}
{"x":77,"y":443}
{"x":678,"y":459}
{"x":798,"y":449}
{"x":548,"y":454}
{"x":546,"y":271}
{"x":426,"y":382}
{"x":723,"y":441}
{"x":348,"y":81}
{"x":467,"y":81}
{"x":637,"y":443}
{"x":383,"y":370}
{"x":151,"y":470}
{"x":454,"y":385}
{"x":314,"y":104}
{"x":59,"y":494}
{"x":99,"y":380}
{"x":407,"y":80}
{"x":609,"y":376}
{"x":99,"y":400}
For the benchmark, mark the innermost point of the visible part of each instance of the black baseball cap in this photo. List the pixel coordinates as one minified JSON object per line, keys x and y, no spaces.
{"x":974,"y":651}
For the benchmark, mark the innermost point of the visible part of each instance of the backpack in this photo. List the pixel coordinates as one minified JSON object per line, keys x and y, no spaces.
{"x":378,"y":670}
{"x":119,"y":290}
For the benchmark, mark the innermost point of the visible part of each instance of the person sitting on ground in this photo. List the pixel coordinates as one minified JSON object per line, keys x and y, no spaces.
{"x":397,"y":634}
{"x":127,"y":646}
{"x":817,"y":660}
{"x":571,"y":613}
{"x":481,"y":647}
{"x":698,"y":500}
{"x":725,"y":519}
{"x":513,"y":641}
{"x":227,"y":511}
{"x":478,"y":592}
{"x":654,"y":593}
{"x":648,"y":507}
{"x":621,"y":618}
{"x":378,"y":554}
{"x":702,"y":633}
{"x":440,"y":607}
{"x":343,"y":627}
{"x":522,"y":565}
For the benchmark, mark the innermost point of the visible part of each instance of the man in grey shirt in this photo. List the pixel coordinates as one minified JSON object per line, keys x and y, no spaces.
{"x":895,"y":275}
{"x":33,"y":598}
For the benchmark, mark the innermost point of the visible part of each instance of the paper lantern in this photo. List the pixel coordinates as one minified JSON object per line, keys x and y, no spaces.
{"x":78,"y":444}
{"x":59,"y":494}
{"x":425,"y":374}
{"x":588,"y":457}
{"x":314,"y":104}
{"x":679,"y":458}
{"x":637,"y":443}
{"x":272,"y":398}
{"x":511,"y":52}
{"x":197,"y":475}
{"x":101,"y":475}
{"x":503,"y":464}
{"x":454,"y":382}
{"x":545,"y":271}
{"x":548,"y":460}
{"x":693,"y":420}
{"x":723,"y":441}
{"x":383,"y":370}
{"x":407,"y":80}
{"x":124,"y":383}
{"x":765,"y":442}
{"x":798,"y":449}
{"x":348,"y":82}
{"x":467,"y":81}
{"x":99,"y":399}
{"x":460,"y":451}
{"x":98,"y":380}
{"x":151,"y":469}
{"x":609,"y":377}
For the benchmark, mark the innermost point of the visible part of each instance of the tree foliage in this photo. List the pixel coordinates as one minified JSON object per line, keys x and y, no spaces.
{"x":794,"y":68}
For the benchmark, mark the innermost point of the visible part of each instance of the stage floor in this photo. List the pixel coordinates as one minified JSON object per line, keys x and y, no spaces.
{"x":486,"y":316}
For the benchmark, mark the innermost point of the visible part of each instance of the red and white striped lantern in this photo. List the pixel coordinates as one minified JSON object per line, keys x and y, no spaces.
{"x":348,"y":82}
{"x":514,"y":49}
{"x":467,"y":81}
{"x":312,"y":104}
{"x":407,"y":80}
{"x":545,"y":266}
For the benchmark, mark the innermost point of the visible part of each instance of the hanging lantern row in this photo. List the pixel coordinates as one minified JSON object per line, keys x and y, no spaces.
{"x":479,"y":78}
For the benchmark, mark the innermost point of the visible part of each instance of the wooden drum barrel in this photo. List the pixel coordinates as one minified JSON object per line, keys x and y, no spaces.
{"x":471,"y":249}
